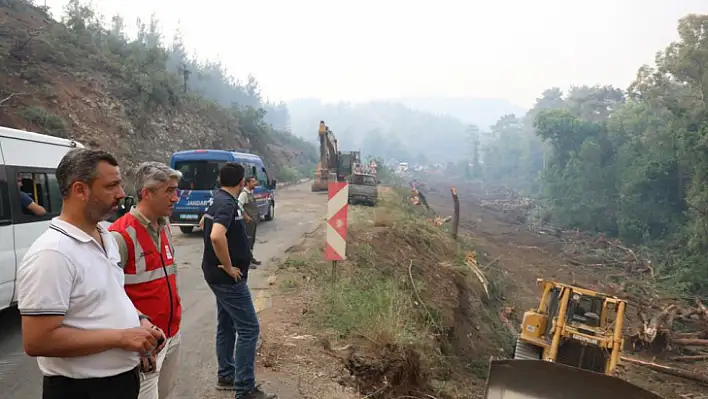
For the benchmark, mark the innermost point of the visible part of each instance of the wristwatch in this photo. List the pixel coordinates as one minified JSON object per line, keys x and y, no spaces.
{"x":142,"y":317}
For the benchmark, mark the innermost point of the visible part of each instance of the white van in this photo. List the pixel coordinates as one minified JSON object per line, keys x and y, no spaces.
{"x":30,"y":159}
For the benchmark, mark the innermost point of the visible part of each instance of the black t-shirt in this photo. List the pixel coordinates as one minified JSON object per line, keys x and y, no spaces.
{"x":225,"y":211}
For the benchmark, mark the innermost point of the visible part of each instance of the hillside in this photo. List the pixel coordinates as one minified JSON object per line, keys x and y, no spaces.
{"x":483,"y":112}
{"x":387,"y":129}
{"x":84,"y":79}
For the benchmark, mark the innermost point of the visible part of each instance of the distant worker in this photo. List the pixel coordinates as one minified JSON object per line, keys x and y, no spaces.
{"x":147,"y":257}
{"x":248,"y":202}
{"x":28,"y":204}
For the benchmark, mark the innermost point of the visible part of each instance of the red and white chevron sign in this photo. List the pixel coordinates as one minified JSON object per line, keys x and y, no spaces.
{"x":337,"y":208}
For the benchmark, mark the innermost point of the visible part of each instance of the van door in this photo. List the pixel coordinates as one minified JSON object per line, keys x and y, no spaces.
{"x":266,"y":200}
{"x":8,"y":258}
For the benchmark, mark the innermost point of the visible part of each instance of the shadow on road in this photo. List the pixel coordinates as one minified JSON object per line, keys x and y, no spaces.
{"x":10,"y":326}
{"x":15,"y":366}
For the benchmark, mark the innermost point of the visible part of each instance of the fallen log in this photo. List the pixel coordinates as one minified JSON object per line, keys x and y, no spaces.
{"x":676,"y":372}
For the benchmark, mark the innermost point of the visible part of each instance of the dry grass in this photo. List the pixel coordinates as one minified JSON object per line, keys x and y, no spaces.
{"x":417,"y":316}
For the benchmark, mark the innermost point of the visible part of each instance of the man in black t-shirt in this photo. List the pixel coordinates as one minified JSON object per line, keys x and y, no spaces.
{"x":227,"y":255}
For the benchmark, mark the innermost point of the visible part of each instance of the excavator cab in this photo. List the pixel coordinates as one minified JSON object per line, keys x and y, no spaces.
{"x":574,"y":339}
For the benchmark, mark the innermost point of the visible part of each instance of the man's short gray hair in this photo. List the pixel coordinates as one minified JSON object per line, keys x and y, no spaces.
{"x":151,"y":174}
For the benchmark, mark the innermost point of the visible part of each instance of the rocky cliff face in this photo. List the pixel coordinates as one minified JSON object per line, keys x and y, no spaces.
{"x":43,"y":89}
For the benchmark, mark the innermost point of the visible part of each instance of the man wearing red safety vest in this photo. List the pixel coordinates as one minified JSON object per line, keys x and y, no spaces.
{"x":147,"y":257}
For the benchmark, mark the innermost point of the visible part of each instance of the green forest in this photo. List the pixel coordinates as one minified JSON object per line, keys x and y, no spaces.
{"x":629,"y":163}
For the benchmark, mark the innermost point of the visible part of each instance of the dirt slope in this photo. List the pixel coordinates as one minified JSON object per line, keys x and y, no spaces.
{"x":406,"y":317}
{"x":522,"y":256}
{"x":50,"y":85}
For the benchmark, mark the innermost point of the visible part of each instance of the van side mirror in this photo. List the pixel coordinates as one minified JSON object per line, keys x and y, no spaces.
{"x":272,"y":184}
{"x":125,"y":205}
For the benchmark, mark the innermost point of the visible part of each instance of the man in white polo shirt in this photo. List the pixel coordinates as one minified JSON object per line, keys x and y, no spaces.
{"x":76,"y":317}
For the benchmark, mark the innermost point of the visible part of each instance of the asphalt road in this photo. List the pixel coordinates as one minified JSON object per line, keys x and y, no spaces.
{"x":298,"y":211}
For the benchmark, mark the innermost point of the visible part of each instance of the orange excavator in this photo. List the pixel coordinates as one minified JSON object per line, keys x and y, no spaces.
{"x":334,"y":165}
{"x":327,"y":166}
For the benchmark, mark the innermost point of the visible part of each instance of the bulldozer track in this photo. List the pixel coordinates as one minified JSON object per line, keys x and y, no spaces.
{"x":525,"y":351}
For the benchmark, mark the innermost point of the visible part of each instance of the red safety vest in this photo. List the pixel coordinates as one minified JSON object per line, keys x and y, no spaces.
{"x":150,"y":276}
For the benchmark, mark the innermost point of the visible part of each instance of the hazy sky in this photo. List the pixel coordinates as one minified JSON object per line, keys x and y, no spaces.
{"x":366,"y":49}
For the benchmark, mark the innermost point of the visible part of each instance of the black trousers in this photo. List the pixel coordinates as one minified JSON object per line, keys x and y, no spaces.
{"x":122,"y":386}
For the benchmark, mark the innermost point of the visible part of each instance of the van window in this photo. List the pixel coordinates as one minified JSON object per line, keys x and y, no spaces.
{"x":43,"y":188}
{"x":55,"y":198}
{"x":261,"y":176}
{"x":199,"y":175}
{"x":248,"y":169}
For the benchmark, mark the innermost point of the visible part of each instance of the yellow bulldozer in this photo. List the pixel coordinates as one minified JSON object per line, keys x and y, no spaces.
{"x":568,"y":348}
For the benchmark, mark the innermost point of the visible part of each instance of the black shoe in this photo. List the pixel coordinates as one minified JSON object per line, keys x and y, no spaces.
{"x":257,"y":393}
{"x":225,"y":384}
{"x":256,"y":262}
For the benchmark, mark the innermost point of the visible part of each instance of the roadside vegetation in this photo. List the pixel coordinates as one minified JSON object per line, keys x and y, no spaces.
{"x":630,"y":164}
{"x":406,"y":301}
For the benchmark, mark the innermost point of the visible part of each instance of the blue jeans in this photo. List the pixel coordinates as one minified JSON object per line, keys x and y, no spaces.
{"x":236,"y":317}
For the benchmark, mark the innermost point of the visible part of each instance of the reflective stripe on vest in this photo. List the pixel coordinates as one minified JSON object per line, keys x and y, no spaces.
{"x":141,"y":274}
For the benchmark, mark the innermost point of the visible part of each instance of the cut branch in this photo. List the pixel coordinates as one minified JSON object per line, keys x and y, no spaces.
{"x":8,"y":98}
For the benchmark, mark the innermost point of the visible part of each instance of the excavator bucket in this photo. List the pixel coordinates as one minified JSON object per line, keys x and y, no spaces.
{"x":538,"y":379}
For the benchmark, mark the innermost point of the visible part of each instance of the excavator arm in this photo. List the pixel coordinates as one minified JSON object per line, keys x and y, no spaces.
{"x":328,"y":158}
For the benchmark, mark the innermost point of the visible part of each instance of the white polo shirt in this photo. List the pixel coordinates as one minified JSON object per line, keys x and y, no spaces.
{"x":66,"y":272}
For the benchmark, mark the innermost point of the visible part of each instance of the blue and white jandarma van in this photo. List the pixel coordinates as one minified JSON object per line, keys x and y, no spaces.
{"x":200,"y":172}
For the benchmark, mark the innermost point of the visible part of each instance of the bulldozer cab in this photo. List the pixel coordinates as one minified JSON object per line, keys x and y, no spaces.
{"x":574,"y":326}
{"x":574,"y":339}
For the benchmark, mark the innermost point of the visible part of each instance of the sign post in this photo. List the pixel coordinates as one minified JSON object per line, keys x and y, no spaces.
{"x":336,"y":235}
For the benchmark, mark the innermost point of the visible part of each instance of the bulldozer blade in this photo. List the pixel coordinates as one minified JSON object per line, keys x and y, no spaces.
{"x":539,"y":379}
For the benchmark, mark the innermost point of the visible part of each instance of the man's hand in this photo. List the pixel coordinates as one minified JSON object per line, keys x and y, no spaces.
{"x":148,"y":364}
{"x":142,"y":340}
{"x":247,"y":218}
{"x":234,"y":272}
{"x":145,"y":323}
